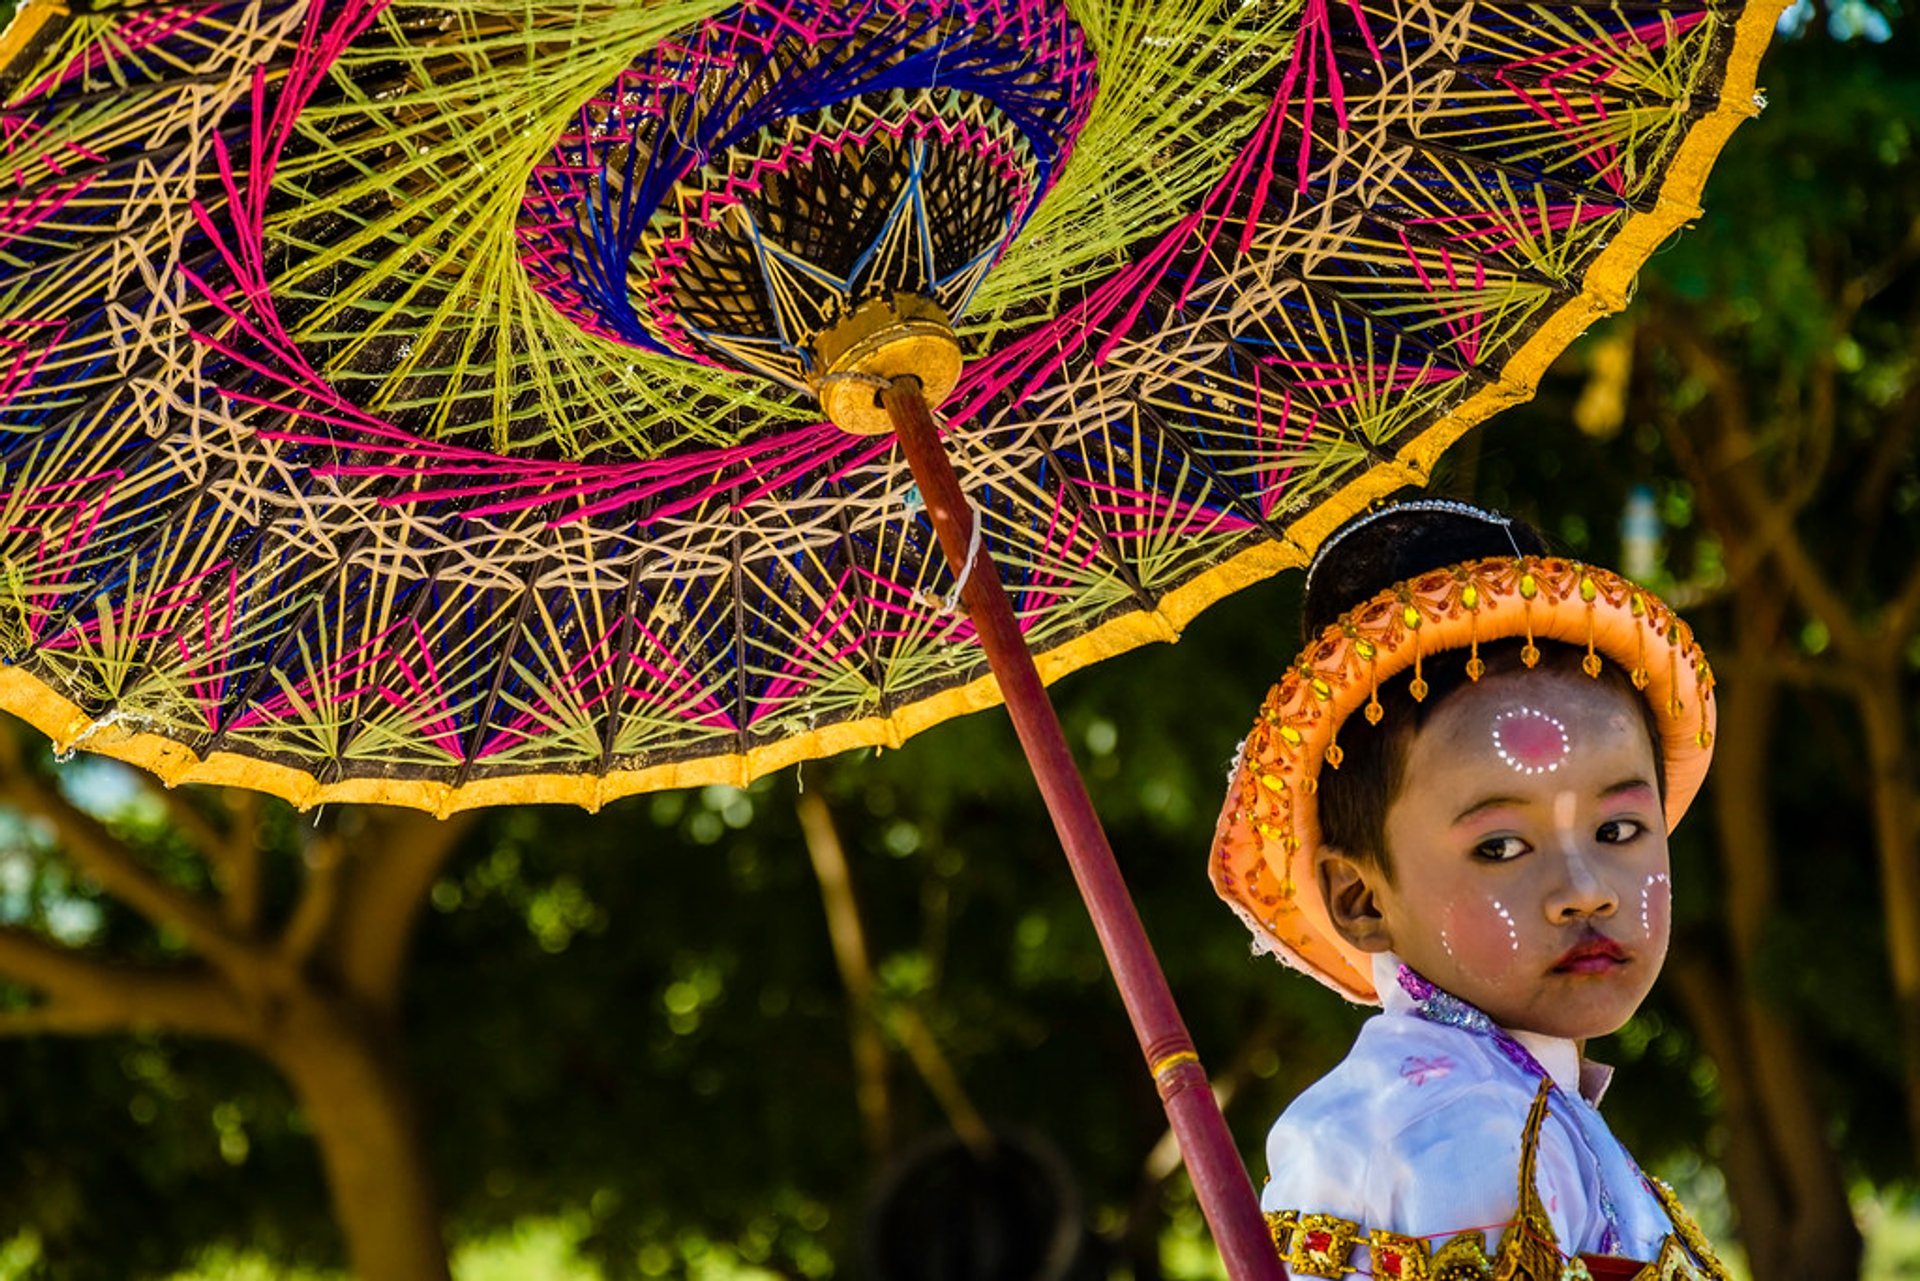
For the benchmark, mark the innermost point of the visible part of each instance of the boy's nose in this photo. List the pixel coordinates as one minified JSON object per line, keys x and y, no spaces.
{"x":1582,"y":890}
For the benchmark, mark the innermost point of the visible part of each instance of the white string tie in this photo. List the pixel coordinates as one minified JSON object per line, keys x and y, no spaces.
{"x":951,"y":603}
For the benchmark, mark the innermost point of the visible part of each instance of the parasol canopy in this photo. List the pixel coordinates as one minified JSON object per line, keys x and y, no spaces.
{"x":421,"y":403}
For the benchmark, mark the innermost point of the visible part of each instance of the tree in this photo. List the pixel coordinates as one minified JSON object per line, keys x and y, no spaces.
{"x":186,"y":941}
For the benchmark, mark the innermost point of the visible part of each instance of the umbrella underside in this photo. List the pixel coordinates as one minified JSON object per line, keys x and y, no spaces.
{"x":412,"y":404}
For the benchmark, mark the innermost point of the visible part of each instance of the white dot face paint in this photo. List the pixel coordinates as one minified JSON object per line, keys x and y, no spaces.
{"x":1655,"y":896}
{"x":1513,"y":932}
{"x":1530,"y":741}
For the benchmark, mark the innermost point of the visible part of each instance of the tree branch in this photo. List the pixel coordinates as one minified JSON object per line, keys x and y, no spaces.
{"x":386,"y":874}
{"x":313,"y":916}
{"x":102,"y":856}
{"x":1903,"y":616}
{"x":1766,"y":517}
{"x":88,"y":996}
{"x":242,"y":858}
{"x":230,"y":851}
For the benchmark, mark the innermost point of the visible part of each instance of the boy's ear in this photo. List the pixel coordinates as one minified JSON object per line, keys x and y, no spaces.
{"x":1349,"y":887}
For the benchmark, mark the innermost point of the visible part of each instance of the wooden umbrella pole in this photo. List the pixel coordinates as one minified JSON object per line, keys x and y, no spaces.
{"x":1219,"y":1179}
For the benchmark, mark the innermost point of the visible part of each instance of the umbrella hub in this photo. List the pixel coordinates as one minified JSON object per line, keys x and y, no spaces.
{"x":743,"y":192}
{"x":906,"y":336}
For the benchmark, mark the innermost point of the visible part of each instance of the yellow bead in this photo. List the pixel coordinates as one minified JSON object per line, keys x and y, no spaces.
{"x":1364,"y":648}
{"x":1321,"y":690}
{"x":1335,"y":754}
{"x":1418,"y":688}
{"x":1530,"y":654}
{"x":1411,"y":617}
{"x":1291,"y":735}
{"x":1591,"y":665}
{"x":1529,"y":586}
{"x":1705,"y":738}
{"x":1638,"y":605}
{"x":1588,"y":589}
{"x":1470,"y":596}
{"x":1374,"y":713}
{"x":1273,"y":782}
{"x":1475,"y":669}
{"x":1640,"y":678}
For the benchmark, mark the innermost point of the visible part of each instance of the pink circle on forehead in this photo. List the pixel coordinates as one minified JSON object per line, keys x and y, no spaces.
{"x":1531,"y":741}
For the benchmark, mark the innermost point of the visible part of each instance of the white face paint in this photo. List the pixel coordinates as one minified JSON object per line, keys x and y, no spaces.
{"x":1506,"y":918}
{"x":1529,"y":741}
{"x":1566,"y":807}
{"x":1654,"y":895}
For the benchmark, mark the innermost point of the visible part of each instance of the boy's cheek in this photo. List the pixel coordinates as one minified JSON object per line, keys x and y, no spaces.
{"x":1480,"y":936}
{"x":1653,"y":912}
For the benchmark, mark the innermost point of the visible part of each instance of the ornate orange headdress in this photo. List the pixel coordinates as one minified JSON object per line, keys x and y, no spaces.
{"x":1269,"y":829}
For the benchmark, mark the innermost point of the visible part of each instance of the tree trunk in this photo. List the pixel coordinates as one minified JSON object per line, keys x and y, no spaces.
{"x":345,"y":1070}
{"x":1808,"y":1221}
{"x":1884,"y":712}
{"x":1748,"y":1159}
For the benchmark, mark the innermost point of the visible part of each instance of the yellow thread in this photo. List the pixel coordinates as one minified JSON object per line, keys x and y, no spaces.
{"x":1179,"y":1058}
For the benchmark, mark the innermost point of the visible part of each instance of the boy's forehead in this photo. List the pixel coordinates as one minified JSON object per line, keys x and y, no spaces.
{"x":1532,"y":722}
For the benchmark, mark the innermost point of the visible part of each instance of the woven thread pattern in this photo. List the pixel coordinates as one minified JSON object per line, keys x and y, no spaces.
{"x":300,"y":465}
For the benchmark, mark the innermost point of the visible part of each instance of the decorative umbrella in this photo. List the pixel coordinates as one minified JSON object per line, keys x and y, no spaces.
{"x":422,"y":403}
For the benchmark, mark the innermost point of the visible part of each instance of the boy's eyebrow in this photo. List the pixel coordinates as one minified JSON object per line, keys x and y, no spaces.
{"x":1487,"y":803}
{"x":1624,"y":786}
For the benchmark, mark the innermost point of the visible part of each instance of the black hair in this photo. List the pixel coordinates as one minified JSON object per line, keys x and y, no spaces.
{"x":1364,"y":558}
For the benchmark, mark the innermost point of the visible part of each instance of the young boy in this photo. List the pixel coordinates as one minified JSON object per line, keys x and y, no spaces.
{"x":1482,"y":851}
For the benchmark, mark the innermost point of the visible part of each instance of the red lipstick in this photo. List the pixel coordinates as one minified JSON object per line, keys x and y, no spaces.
{"x":1594,"y":954}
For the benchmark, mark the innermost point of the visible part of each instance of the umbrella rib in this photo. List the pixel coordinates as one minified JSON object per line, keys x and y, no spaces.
{"x":610,"y":734}
{"x":1426,"y":239}
{"x":413,"y":616}
{"x":1213,"y":328}
{"x":517,"y":630}
{"x":1333,"y":299}
{"x":162,"y":529}
{"x":1693,"y":110}
{"x":287,"y":638}
{"x":1399,"y":137}
{"x":739,"y":634}
{"x":206,"y":594}
{"x":150,"y":362}
{"x":1083,"y":511}
{"x":1180,"y":445}
{"x":875,"y":672}
{"x":120,"y":93}
{"x":81,"y":173}
{"x":88,"y":252}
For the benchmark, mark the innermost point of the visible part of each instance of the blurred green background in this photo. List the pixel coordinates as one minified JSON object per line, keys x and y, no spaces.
{"x":626,"y":1044}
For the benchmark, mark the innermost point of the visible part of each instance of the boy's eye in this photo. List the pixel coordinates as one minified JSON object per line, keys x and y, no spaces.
{"x":1500,"y":849}
{"x":1618,"y":831}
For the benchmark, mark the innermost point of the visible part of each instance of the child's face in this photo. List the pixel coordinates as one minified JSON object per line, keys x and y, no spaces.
{"x":1529,"y":854}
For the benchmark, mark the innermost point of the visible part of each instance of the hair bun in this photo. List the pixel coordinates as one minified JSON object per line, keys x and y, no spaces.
{"x":1390,"y":544}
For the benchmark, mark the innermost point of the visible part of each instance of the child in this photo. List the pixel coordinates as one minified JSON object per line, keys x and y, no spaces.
{"x":1482,"y":852}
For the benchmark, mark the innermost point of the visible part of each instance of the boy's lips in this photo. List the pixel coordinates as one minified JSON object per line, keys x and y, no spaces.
{"x":1593,"y":954}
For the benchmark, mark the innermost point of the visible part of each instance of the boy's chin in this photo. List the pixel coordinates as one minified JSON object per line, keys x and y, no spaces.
{"x":1579,"y":1012}
{"x":1575,"y":1020}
